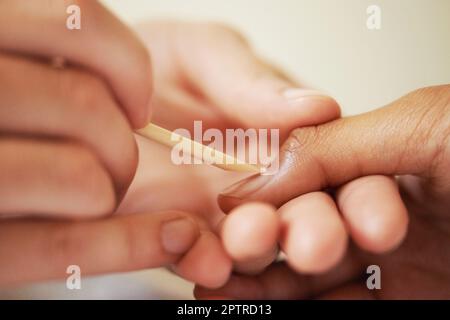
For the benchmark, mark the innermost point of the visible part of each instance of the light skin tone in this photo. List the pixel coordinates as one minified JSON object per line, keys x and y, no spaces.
{"x":69,"y":152}
{"x":355,"y":159}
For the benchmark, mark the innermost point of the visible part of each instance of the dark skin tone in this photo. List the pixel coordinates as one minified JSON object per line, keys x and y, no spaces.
{"x":413,"y":143}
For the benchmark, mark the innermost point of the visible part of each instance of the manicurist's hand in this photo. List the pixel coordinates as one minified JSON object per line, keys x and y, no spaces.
{"x":69,"y":100}
{"x":68,"y":153}
{"x":67,"y":147}
{"x":384,"y":168}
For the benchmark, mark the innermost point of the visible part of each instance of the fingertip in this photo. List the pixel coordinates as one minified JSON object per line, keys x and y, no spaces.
{"x":316,"y":252}
{"x":179,"y":235}
{"x":250,"y":231}
{"x":380,"y":236}
{"x":298,"y":107}
{"x":206,"y":263}
{"x":313,"y":237}
{"x":376,"y":215}
{"x":287,"y":114}
{"x":318,"y":110}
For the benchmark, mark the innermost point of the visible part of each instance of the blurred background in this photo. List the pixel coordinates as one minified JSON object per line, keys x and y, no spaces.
{"x":323,"y":43}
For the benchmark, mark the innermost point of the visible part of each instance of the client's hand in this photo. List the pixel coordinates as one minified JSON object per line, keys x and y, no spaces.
{"x":355,"y":157}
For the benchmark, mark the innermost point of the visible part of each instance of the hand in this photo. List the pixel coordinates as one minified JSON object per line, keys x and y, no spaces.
{"x":179,"y":51}
{"x":67,"y":146}
{"x":141,"y":241}
{"x":355,"y":157}
{"x":209,"y":72}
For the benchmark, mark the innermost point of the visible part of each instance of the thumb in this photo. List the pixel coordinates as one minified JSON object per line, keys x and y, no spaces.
{"x":409,"y":136}
{"x":117,"y":244}
{"x":222,"y":66}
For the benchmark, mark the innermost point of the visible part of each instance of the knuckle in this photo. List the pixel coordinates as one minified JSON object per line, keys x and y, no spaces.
{"x":84,"y":174}
{"x":62,"y":245}
{"x":133,"y":251}
{"x":83,"y":90}
{"x":301,"y":139}
{"x":430,"y":92}
{"x":93,"y":110}
{"x":430,"y":107}
{"x":307,"y":148}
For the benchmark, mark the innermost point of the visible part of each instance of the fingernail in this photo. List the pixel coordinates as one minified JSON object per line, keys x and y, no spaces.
{"x":246,"y":187}
{"x":296,"y":96}
{"x":178,"y":236}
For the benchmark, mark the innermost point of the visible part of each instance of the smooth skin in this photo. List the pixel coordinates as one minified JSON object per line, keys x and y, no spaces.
{"x":354,"y":159}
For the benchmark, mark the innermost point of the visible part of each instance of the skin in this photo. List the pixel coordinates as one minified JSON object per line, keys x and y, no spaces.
{"x":197,"y":186}
{"x":139,"y":233}
{"x":113,"y":100}
{"x":353,"y":158}
{"x":64,"y":175}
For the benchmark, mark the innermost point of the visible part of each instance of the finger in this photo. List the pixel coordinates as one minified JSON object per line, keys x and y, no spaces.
{"x":206,"y":263}
{"x":223,"y":67}
{"x":380,"y":142}
{"x":103,"y":44}
{"x":374,"y":211}
{"x":172,"y":100}
{"x":250,"y":236}
{"x":314,"y":236}
{"x":280,"y":282}
{"x":38,"y":250}
{"x":52,"y":178}
{"x":71,"y":104}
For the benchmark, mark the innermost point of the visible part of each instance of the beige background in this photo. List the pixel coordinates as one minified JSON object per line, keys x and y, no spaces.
{"x":324,"y":43}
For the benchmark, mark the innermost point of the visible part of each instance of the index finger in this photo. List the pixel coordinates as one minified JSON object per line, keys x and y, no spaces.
{"x":103,"y":44}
